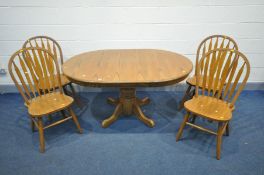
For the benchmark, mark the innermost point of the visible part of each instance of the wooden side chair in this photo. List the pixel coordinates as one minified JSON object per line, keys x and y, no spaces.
{"x":214,"y":103}
{"x":208,"y":44}
{"x":53,"y":46}
{"x":33,"y":69}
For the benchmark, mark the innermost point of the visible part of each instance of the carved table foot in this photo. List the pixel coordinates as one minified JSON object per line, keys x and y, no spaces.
{"x":113,"y":117}
{"x":128,"y":104}
{"x":140,"y":115}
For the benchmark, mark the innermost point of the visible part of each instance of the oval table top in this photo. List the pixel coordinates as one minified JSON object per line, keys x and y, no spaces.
{"x":127,"y":68}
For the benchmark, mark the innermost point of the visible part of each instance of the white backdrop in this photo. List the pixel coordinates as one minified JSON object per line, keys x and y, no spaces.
{"x":174,"y":25}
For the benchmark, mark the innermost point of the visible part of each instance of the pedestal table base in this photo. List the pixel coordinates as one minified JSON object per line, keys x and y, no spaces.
{"x":128,"y":104}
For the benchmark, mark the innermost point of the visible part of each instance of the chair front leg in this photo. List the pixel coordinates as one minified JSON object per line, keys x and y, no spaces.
{"x":221,"y":129}
{"x":75,"y":120}
{"x":41,"y":135}
{"x":179,"y":134}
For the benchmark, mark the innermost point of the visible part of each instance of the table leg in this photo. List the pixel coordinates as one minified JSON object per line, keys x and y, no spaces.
{"x":128,"y":104}
{"x":140,"y":115}
{"x":113,"y":117}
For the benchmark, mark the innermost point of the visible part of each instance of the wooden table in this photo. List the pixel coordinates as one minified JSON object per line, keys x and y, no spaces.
{"x":127,"y":69}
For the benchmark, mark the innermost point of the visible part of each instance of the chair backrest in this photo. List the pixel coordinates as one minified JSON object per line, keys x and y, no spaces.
{"x":225,"y":73}
{"x":32,"y":68}
{"x":47,"y":43}
{"x":214,"y":42}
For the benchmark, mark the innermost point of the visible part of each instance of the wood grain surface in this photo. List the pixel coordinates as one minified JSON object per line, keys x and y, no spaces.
{"x":127,"y":68}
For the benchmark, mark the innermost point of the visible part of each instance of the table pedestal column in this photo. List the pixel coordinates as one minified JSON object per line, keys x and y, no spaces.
{"x":128,"y":104}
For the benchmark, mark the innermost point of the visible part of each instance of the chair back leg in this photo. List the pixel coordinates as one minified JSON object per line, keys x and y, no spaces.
{"x":75,"y":96}
{"x":186,"y":95}
{"x":227,"y":129}
{"x":32,"y":125}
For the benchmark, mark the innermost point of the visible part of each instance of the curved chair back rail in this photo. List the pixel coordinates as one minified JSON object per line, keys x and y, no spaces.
{"x":215,"y":42}
{"x":47,"y":43}
{"x":54,"y":48}
{"x":209,"y":43}
{"x":227,"y":68}
{"x":32,"y":68}
{"x":221,"y":75}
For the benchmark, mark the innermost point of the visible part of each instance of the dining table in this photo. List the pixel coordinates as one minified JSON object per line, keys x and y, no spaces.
{"x":127,"y":69}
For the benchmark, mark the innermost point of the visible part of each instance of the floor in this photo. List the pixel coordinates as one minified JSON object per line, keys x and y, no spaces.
{"x":128,"y":146}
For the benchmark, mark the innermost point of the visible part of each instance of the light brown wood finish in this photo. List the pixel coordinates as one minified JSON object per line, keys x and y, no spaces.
{"x":210,"y":107}
{"x":209,"y":43}
{"x":128,"y":104}
{"x":48,"y":103}
{"x":127,"y":69}
{"x":53,"y":47}
{"x":32,"y":69}
{"x":213,"y":102}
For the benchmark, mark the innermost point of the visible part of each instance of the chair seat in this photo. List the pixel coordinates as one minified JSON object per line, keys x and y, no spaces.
{"x":64,"y":81}
{"x":49,"y":103}
{"x":209,"y":107}
{"x":192,"y":81}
